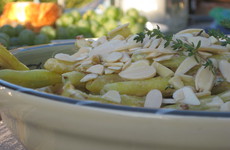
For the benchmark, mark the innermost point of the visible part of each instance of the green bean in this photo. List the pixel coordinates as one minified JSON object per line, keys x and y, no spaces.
{"x":58,"y":66}
{"x":9,"y":61}
{"x":141,"y":87}
{"x":125,"y":100}
{"x":221,"y":87}
{"x":30,"y":78}
{"x":221,"y":56}
{"x":132,"y":100}
{"x":173,"y":63}
{"x":203,"y":105}
{"x":70,"y":91}
{"x":180,"y":106}
{"x":96,"y":85}
{"x":74,"y":78}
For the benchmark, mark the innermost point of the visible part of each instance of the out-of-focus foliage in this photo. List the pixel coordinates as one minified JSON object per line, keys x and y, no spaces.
{"x":71,"y":24}
{"x":3,"y":2}
{"x":92,"y":24}
{"x":76,"y":3}
{"x":69,"y":3}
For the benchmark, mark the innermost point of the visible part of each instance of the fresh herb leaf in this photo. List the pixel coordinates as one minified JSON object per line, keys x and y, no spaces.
{"x":181,"y":46}
{"x":208,"y":63}
{"x":225,"y":23}
{"x":140,"y":37}
{"x":168,"y":39}
{"x":219,"y":35}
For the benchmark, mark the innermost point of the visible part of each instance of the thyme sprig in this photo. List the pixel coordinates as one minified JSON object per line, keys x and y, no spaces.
{"x":220,"y":35}
{"x":179,"y":45}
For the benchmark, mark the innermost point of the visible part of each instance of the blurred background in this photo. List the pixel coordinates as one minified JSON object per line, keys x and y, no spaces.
{"x":33,"y":22}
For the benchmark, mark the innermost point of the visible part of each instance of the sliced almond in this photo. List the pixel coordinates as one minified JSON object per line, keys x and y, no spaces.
{"x":155,"y":43}
{"x":113,"y":96}
{"x":102,"y":39}
{"x":194,"y":31}
{"x":204,"y":41}
{"x":125,"y":57}
{"x":82,"y":50}
{"x":134,"y":49}
{"x":113,"y":57}
{"x":176,"y":82}
{"x":117,"y":64}
{"x":97,"y":69}
{"x":224,"y":67}
{"x":118,"y":37}
{"x":89,"y":77}
{"x":127,"y":64}
{"x":118,"y":29}
{"x":115,"y":67}
{"x":183,"y":36}
{"x":204,"y":79}
{"x":64,"y":57}
{"x":105,"y":49}
{"x":168,"y":101}
{"x":215,"y":49}
{"x":213,"y":40}
{"x":162,"y":70}
{"x":163,"y":57}
{"x":87,"y":62}
{"x":216,"y":101}
{"x":178,"y":95}
{"x":190,"y":97}
{"x":153,"y":99}
{"x":108,"y":71}
{"x":82,"y":42}
{"x":154,"y":54}
{"x":164,"y":49}
{"x":138,"y":70}
{"x":147,"y":43}
{"x":81,"y":57}
{"x":205,"y":54}
{"x":225,"y":106}
{"x":144,"y":51}
{"x":186,"y":65}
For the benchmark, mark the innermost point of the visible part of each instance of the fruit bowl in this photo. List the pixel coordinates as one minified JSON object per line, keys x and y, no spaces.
{"x":43,"y":121}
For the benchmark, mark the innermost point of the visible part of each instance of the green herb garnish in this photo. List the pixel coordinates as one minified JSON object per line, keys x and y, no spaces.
{"x":225,"y":23}
{"x":220,"y":35}
{"x":180,"y":46}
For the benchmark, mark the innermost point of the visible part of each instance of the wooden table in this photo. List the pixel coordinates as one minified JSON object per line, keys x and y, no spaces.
{"x":7,"y":140}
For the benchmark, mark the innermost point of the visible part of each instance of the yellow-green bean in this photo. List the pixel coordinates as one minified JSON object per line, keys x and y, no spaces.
{"x":9,"y":61}
{"x":173,"y":63}
{"x":58,"y":66}
{"x":141,"y":87}
{"x":30,"y":78}
{"x":74,"y":78}
{"x":96,"y":85}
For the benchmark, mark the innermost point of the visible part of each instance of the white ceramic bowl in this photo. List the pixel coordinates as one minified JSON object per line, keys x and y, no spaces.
{"x":50,"y":122}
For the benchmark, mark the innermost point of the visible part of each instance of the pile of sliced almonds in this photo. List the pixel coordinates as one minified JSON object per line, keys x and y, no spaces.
{"x":131,"y":60}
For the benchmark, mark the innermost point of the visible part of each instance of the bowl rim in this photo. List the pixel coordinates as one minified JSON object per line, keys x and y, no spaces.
{"x":96,"y":104}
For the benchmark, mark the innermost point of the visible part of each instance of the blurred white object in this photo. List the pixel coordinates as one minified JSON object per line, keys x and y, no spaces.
{"x":153,"y":25}
{"x":172,"y":13}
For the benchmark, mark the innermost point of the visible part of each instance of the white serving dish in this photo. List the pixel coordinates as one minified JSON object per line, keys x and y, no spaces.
{"x":49,"y":122}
